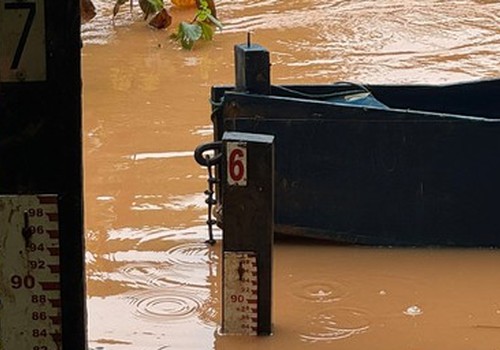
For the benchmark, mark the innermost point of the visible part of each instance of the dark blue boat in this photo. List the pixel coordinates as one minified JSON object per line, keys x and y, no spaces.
{"x":376,"y":164}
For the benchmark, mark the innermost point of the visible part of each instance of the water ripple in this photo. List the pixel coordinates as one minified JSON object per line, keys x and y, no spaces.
{"x":405,"y":42}
{"x":189,"y":254}
{"x":319,"y":291}
{"x":185,"y":264}
{"x":335,"y":324}
{"x":165,"y":305}
{"x":413,"y":310}
{"x":146,"y":274}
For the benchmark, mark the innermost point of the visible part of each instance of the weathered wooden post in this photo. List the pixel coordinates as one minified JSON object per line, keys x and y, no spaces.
{"x":42,"y":294}
{"x":248,"y":212}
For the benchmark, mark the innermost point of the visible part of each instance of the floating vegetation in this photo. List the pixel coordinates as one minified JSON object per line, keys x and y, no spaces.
{"x":202,"y":27}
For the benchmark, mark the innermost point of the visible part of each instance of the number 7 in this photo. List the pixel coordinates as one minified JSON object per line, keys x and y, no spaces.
{"x":27,"y":26}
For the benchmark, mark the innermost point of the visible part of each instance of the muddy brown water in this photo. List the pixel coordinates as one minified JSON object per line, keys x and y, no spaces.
{"x":153,"y":284}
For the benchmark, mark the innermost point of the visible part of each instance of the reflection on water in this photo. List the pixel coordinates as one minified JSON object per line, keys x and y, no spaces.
{"x":152,"y":282}
{"x":141,"y":156}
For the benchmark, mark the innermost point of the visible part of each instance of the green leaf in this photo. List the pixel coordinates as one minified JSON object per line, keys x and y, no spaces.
{"x":215,"y":21}
{"x":150,"y":7}
{"x":188,"y":33}
{"x":207,"y":32}
{"x":203,"y":5}
{"x":200,"y":28}
{"x":192,"y":31}
{"x":156,"y":4}
{"x":202,"y":16}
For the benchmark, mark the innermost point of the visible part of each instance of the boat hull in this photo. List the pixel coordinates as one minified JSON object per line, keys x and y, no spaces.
{"x":419,"y":167}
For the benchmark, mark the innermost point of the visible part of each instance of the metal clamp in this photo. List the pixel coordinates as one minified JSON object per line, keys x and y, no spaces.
{"x":206,"y":160}
{"x":209,"y":162}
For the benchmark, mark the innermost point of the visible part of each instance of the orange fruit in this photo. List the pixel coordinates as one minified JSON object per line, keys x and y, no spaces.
{"x":184,"y":3}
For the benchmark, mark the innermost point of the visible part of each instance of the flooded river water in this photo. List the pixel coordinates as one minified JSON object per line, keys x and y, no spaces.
{"x":153,"y":284}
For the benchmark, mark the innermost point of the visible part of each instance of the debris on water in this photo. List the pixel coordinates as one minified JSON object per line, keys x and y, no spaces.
{"x":413,"y":310}
{"x":87,"y":10}
{"x":161,"y":20}
{"x":490,"y":326}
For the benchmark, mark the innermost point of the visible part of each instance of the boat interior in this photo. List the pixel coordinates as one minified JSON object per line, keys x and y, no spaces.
{"x":477,"y":98}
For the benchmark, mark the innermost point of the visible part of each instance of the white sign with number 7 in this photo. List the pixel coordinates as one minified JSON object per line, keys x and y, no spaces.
{"x":22,"y":41}
{"x":236,"y":163}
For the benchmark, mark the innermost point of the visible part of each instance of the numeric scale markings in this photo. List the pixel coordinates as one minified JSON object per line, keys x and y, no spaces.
{"x":240,"y":293}
{"x":30,"y":309}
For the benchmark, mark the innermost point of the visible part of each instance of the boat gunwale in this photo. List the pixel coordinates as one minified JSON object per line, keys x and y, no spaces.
{"x":411,"y":115}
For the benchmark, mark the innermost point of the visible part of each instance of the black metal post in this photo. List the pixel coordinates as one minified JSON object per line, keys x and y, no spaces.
{"x":253,"y":69}
{"x":248,"y":215}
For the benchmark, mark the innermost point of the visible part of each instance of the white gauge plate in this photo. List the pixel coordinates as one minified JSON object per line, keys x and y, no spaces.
{"x":30,"y":300}
{"x":240,"y":293}
{"x":236,"y":163}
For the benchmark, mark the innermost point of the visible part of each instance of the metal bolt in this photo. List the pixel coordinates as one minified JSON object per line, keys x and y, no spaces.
{"x":21,"y":75}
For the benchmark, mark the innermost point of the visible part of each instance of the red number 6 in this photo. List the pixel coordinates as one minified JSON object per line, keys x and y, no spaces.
{"x":236,"y":167}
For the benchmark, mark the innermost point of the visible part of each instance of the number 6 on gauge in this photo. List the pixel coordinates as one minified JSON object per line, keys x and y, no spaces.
{"x":237,"y":163}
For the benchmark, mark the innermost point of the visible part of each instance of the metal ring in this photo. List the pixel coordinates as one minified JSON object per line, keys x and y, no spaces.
{"x":208,"y":161}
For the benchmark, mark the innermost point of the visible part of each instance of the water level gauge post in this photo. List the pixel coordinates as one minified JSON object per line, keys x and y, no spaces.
{"x":248,"y":211}
{"x":42,"y":275}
